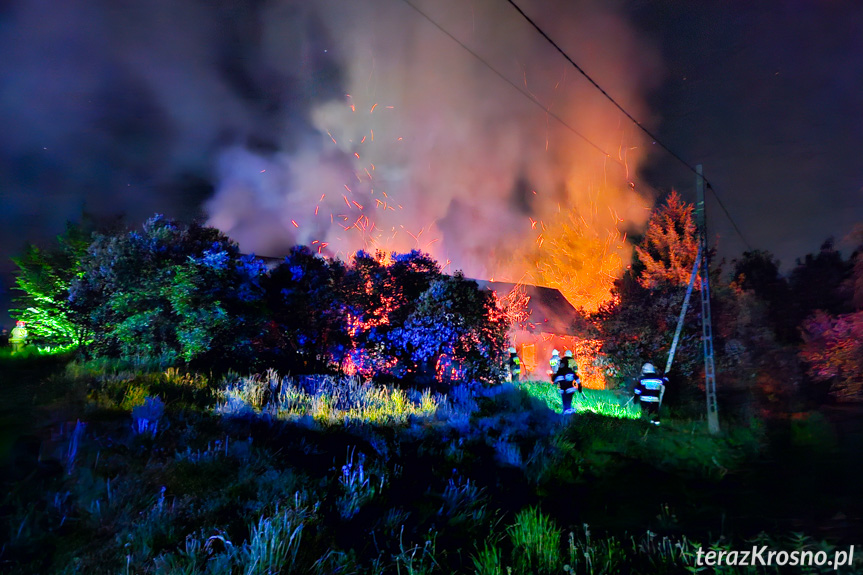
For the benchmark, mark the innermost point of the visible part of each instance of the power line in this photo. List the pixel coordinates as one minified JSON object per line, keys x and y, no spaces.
{"x":525,"y":93}
{"x":655,"y":139}
{"x":727,"y":215}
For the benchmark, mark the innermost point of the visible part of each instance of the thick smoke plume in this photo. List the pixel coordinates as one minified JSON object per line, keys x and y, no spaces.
{"x":256,"y":110}
{"x":425,"y":147}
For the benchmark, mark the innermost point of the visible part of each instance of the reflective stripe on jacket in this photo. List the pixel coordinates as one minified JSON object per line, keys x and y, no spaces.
{"x":649,"y":388}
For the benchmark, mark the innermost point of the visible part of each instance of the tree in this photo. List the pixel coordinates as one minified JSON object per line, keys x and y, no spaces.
{"x":667,"y":252}
{"x":833,"y":348}
{"x":816,"y":283}
{"x":307,"y":312}
{"x":169,"y":292}
{"x":757,"y":271}
{"x":833,"y":344}
{"x":380,"y":292}
{"x":455,"y":325}
{"x":637,"y":325}
{"x":753,"y":364}
{"x":44,"y":277}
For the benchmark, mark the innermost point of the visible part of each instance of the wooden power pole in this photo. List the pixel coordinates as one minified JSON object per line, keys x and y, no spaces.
{"x":707,"y":327}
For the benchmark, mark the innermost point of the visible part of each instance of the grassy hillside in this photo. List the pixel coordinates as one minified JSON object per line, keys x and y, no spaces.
{"x":168,"y":472}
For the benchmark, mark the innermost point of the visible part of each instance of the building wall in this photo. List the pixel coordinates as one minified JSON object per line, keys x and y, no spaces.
{"x":534,"y":350}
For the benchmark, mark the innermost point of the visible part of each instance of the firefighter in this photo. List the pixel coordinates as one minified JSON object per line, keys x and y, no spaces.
{"x":567,"y":381}
{"x":553,"y":364}
{"x":513,"y":365}
{"x":649,"y":391}
{"x":18,"y":337}
{"x":567,"y":357}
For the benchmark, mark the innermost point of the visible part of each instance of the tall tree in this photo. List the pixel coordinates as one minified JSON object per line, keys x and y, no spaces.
{"x":638,"y":324}
{"x":816,"y":283}
{"x":670,"y":245}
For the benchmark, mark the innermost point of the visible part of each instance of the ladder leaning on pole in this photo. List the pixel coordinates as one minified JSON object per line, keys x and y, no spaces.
{"x":707,"y":327}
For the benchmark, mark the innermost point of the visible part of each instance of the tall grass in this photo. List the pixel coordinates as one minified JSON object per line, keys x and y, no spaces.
{"x":275,"y":543}
{"x":358,"y":485}
{"x":536,"y":542}
{"x":602,"y":402}
{"x":326,"y":399}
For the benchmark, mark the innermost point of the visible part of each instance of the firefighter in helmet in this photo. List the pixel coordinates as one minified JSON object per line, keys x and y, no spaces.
{"x":513,"y":365}
{"x":553,"y":364}
{"x":18,"y":337}
{"x":567,"y":357}
{"x":567,"y":381}
{"x":649,"y":391}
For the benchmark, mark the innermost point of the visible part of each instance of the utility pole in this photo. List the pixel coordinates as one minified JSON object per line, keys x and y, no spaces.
{"x":707,"y":327}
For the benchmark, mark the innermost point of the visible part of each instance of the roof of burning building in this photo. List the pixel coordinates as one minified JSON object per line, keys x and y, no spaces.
{"x":550,"y":312}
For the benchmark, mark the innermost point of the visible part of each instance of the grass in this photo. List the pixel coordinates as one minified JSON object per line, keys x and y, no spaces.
{"x":536,"y":541}
{"x":601,"y":402}
{"x":264,"y":474}
{"x":30,"y":352}
{"x":326,"y":400}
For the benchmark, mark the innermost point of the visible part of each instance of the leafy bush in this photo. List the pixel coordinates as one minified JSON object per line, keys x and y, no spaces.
{"x":44,"y":278}
{"x":169,"y":292}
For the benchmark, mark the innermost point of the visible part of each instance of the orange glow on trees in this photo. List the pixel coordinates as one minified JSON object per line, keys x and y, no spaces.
{"x":670,"y":245}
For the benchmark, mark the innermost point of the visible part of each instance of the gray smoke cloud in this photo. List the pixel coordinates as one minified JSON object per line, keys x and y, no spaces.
{"x":257,"y":114}
{"x":425,"y":147}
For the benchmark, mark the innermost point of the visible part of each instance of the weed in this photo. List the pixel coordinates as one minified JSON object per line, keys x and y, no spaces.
{"x":327,"y":400}
{"x":463,"y":502}
{"x":417,"y":560}
{"x":488,"y":561}
{"x":357,"y":486}
{"x":536,"y":540}
{"x":275,"y":542}
{"x":146,"y":417}
{"x":134,"y":396}
{"x":187,"y":561}
{"x":507,"y":453}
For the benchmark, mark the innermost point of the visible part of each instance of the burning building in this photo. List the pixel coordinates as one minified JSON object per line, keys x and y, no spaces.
{"x":543,"y":320}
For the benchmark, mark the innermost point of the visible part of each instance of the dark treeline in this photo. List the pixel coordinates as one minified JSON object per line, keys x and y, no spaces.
{"x":779,"y":342}
{"x":174,"y":293}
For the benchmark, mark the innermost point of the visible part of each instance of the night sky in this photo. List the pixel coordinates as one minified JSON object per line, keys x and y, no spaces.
{"x":236,"y":113}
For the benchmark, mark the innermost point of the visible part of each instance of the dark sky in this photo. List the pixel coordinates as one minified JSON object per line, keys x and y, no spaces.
{"x":768,"y":96}
{"x":169,"y":105}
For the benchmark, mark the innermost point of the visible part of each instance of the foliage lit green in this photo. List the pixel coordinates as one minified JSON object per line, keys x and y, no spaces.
{"x":170,"y":291}
{"x":43,"y":278}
